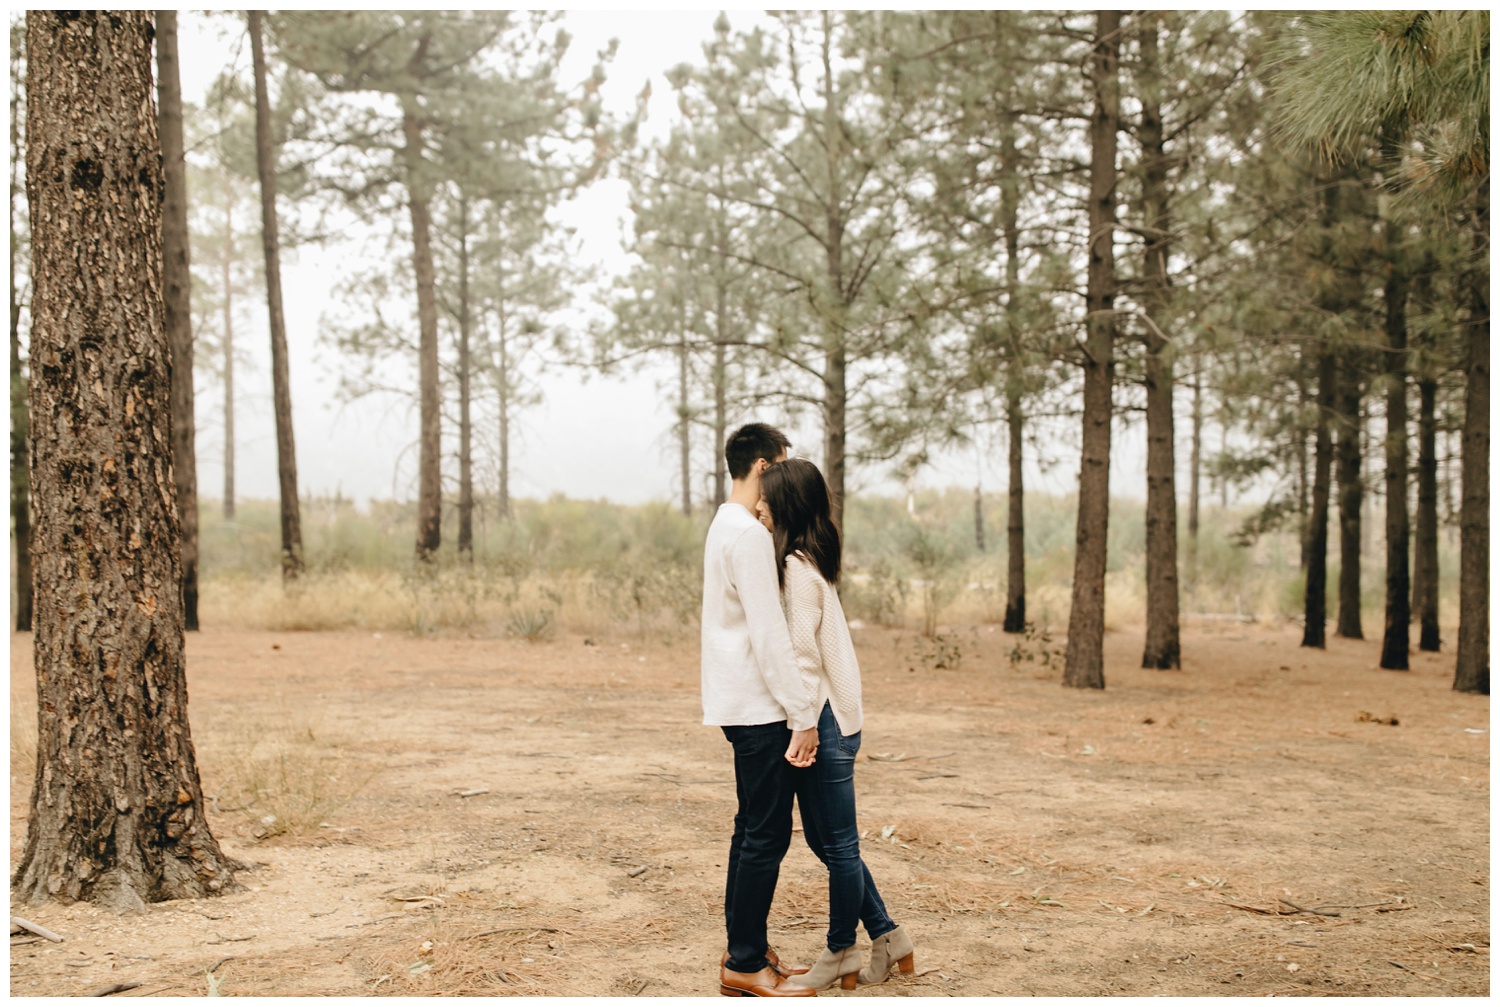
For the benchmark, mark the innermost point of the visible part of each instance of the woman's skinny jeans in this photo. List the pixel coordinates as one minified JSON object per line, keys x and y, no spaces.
{"x":825,"y":798}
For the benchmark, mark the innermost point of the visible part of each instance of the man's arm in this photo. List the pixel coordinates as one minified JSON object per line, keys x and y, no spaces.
{"x":753,"y":567}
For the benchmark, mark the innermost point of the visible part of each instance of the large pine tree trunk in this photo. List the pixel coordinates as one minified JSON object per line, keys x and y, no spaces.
{"x":1163,"y":648}
{"x":1351,"y":499}
{"x":177,"y":296}
{"x":1473,"y":669}
{"x":116,"y":810}
{"x":281,"y":382}
{"x":1315,"y":600}
{"x":430,"y":438}
{"x":20,"y":461}
{"x":1015,"y":524}
{"x":1424,"y":588}
{"x":1396,"y":643}
{"x":465,"y":422}
{"x":228,"y":266}
{"x":1083,"y":666}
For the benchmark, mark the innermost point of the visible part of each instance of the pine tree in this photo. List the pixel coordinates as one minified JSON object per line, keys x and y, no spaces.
{"x":117,"y":812}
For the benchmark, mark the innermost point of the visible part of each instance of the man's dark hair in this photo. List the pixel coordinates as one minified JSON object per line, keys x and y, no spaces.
{"x":752,"y":441}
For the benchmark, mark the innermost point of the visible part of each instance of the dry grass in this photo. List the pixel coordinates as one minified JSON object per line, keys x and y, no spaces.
{"x":532,"y":608}
{"x":283,"y":776}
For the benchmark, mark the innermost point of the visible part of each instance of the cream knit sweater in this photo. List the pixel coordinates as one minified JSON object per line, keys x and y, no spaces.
{"x":820,"y":639}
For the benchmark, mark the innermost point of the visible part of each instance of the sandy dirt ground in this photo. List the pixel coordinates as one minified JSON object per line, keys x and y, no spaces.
{"x":1034,"y":840}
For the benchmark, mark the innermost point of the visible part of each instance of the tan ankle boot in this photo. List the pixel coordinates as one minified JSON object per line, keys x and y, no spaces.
{"x":893,"y":948}
{"x":832,"y":966}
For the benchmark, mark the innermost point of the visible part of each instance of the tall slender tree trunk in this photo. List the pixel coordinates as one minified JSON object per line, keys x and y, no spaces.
{"x":1015,"y":524}
{"x":684,"y":415}
{"x":228,"y":265}
{"x":1163,"y":648}
{"x":1083,"y":666}
{"x":1396,"y":643}
{"x":1424,"y":588}
{"x":286,"y":451}
{"x":1015,"y":364}
{"x":721,"y":423}
{"x":1315,"y":600}
{"x":117,"y":813}
{"x":20,"y":458}
{"x":177,"y":297}
{"x":1304,"y":487}
{"x":430,"y":438}
{"x":1195,"y":461}
{"x":502,"y":386}
{"x":465,"y":374}
{"x":1351,"y":499}
{"x":836,"y":356}
{"x":1472,"y":673}
{"x":721,"y":356}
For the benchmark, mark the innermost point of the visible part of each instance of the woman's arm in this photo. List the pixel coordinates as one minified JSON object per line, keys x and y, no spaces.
{"x":802,"y":598}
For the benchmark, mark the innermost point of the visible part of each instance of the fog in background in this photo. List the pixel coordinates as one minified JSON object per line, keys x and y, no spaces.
{"x":591,"y":437}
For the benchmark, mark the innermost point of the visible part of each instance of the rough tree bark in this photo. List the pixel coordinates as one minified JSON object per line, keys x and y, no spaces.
{"x":1084,"y":663}
{"x":1351,"y":498}
{"x":1315,"y":601}
{"x":286,"y":450}
{"x":1472,"y":673}
{"x":1163,"y":648}
{"x":116,"y":809}
{"x":20,"y":461}
{"x":177,"y":280}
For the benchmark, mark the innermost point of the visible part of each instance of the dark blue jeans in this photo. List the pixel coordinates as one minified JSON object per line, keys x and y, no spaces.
{"x":762,"y":833}
{"x":825,"y":797}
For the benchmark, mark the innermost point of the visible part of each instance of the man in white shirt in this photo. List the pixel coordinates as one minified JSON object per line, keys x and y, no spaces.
{"x":752,"y":690}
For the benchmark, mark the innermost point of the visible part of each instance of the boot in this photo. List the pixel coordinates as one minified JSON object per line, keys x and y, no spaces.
{"x":832,"y":966}
{"x":893,"y":948}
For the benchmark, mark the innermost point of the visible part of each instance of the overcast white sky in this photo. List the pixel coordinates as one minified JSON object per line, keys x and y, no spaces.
{"x":600,"y":438}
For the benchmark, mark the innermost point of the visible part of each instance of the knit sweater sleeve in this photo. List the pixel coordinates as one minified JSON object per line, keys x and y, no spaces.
{"x":802,"y":598}
{"x":753,"y":570}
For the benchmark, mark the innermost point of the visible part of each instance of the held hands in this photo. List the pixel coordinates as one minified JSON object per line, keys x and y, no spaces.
{"x":803,"y":748}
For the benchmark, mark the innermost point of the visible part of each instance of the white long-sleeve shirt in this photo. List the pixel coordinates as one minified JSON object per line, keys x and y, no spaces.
{"x":820,"y":639}
{"x":750,"y":674}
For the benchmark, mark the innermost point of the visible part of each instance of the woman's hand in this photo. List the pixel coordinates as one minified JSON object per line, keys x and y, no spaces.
{"x":803,"y":749}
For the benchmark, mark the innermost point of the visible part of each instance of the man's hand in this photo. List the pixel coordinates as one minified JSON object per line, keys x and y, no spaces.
{"x":803,"y":748}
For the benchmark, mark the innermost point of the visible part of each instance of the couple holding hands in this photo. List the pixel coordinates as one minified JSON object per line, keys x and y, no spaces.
{"x":781,"y":679}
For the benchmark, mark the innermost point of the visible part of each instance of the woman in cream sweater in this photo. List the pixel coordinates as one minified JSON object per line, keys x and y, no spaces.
{"x":794,"y":506}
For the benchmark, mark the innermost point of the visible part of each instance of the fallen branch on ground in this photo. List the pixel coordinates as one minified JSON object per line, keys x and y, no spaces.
{"x":105,"y":991}
{"x":1304,"y":909}
{"x":513,"y":930}
{"x":17,"y":921}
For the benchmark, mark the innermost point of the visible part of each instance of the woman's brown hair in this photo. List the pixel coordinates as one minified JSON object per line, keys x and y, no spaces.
{"x":797,"y":496}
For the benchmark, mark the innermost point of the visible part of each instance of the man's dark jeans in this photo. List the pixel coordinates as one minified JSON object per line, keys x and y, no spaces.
{"x":825,"y":796}
{"x":762,"y":832}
